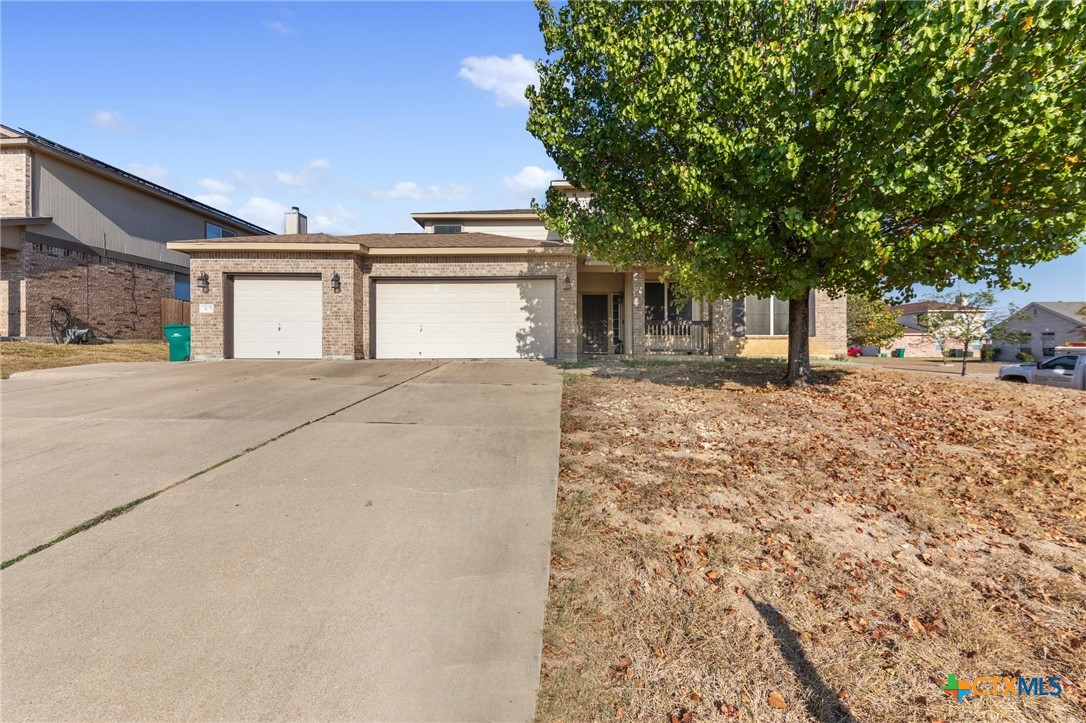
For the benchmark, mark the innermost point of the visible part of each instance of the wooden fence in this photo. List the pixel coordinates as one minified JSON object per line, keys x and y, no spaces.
{"x":175,"y":311}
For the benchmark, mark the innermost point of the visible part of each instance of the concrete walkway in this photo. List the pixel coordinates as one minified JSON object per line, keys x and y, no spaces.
{"x":387,"y":562}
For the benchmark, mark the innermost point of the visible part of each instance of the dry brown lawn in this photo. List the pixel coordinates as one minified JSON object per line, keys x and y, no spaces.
{"x":21,"y":356}
{"x":727,"y":548}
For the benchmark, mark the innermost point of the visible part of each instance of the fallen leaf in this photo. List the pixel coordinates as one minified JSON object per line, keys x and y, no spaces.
{"x":696,"y":697}
{"x":916,"y":626}
{"x":1025,"y":548}
{"x":776,"y":700}
{"x":726,"y":710}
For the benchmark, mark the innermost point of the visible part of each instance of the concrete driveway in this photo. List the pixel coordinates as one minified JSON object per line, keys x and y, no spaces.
{"x":381,"y":554}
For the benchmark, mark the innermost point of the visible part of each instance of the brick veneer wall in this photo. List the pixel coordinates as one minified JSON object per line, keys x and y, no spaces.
{"x":116,"y":299}
{"x":829,"y":340}
{"x":342,"y":311}
{"x":15,"y":201}
{"x":553,"y":266}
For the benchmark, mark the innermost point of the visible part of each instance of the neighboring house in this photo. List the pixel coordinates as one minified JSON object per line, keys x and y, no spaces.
{"x":472,"y":284}
{"x":89,"y":237}
{"x":915,"y":339}
{"x":1044,"y":325}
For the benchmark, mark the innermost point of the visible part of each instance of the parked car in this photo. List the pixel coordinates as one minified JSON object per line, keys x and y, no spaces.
{"x":1066,"y":370}
{"x":855,"y":351}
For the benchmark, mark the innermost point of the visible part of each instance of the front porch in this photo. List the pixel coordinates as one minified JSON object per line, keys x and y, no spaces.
{"x":632,"y":314}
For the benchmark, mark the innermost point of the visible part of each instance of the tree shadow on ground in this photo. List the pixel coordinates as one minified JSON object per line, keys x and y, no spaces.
{"x":821,"y":702}
{"x":700,"y":374}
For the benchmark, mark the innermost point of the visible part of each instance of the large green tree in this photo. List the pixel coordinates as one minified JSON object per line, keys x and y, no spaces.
{"x":869,"y":322}
{"x":771,"y":148}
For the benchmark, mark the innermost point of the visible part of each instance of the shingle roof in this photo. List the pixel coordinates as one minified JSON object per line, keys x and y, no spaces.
{"x":1073,"y":309}
{"x":476,"y":212}
{"x":391,"y":240}
{"x":920,"y":307}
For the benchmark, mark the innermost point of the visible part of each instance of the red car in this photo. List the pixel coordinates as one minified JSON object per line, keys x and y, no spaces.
{"x":855,"y":351}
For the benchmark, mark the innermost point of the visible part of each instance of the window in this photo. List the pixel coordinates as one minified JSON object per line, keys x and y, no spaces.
{"x":1048,"y":343}
{"x":1067,"y":363}
{"x":660,"y":304}
{"x":213,"y":231}
{"x":766,"y":317}
{"x":448,"y":228}
{"x":181,"y":287}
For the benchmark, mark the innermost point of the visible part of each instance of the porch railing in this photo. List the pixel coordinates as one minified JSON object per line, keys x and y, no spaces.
{"x":677,"y":337}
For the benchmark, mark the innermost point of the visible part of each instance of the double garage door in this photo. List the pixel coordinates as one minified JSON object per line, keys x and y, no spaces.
{"x":282,"y":318}
{"x":482,"y":319}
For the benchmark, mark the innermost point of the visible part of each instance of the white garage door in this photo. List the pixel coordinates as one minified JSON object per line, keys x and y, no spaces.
{"x":277,"y":318}
{"x":465,"y":319}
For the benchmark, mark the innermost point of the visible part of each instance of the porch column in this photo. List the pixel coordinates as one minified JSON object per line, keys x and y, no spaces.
{"x":637,"y":308}
{"x":721,"y":315}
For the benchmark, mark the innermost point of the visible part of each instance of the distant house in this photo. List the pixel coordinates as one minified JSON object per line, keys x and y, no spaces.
{"x":915,"y":339}
{"x":1044,"y":325}
{"x":84,"y":235}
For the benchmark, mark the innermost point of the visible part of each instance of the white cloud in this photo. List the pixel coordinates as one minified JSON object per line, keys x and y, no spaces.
{"x":111,"y":120}
{"x":409,"y":190}
{"x":308,"y":176}
{"x":336,"y":220}
{"x":214,"y":185}
{"x":263,"y":212}
{"x":531,"y":178}
{"x":154,"y":172}
{"x":280,"y":27}
{"x":217,"y":200}
{"x":505,"y":77}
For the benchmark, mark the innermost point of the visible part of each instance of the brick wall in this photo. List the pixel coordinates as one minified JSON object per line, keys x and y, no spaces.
{"x":15,"y":201}
{"x":117,"y":300}
{"x":342,"y":311}
{"x":549,"y":266}
{"x":829,"y":340}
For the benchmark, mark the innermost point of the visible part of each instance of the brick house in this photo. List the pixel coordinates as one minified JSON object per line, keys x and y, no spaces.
{"x":470,"y":284}
{"x":914,"y":337}
{"x":89,"y":237}
{"x":1044,"y":325}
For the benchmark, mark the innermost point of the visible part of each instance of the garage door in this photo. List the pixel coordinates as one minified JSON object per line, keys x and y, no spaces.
{"x":465,"y":319}
{"x":277,"y":318}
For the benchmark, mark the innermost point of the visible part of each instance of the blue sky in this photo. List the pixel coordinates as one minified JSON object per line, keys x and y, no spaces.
{"x":359,"y":113}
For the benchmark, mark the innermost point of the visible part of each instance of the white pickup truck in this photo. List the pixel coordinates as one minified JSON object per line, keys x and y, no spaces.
{"x":1066,"y":370}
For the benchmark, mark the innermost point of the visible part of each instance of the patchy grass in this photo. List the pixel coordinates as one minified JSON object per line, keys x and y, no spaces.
{"x":21,"y":356}
{"x":725,"y":547}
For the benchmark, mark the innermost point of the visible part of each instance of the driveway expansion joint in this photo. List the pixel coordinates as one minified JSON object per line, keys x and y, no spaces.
{"x":132,"y":504}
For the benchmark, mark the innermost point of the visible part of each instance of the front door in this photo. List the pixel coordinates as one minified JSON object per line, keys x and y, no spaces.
{"x":594,"y":318}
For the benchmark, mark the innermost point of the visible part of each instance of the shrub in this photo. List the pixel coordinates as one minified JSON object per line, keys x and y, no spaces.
{"x":1024,"y":356}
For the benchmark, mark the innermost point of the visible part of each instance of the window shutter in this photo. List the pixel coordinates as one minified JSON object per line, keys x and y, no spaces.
{"x":739,"y":317}
{"x":811,"y":329}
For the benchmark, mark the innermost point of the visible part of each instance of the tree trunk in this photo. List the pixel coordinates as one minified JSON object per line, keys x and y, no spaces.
{"x":965,"y":354}
{"x":799,"y":344}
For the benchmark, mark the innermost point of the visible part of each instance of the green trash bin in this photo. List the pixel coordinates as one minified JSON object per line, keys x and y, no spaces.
{"x":180,"y":340}
{"x":899,"y":353}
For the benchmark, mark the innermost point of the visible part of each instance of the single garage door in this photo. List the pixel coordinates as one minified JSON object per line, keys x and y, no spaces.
{"x":277,"y":318}
{"x":475,"y":318}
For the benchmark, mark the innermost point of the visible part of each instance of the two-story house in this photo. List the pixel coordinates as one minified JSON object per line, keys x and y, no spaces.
{"x":470,"y":284}
{"x":91,"y":238}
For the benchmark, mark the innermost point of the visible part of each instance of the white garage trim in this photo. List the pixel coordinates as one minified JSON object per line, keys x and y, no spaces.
{"x":510,"y":318}
{"x":277,"y":317}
